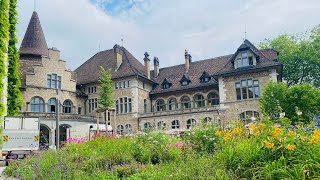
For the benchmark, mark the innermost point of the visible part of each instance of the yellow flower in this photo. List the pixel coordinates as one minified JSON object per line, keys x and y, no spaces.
{"x":277,"y":130}
{"x":290,"y":147}
{"x":218,"y":133}
{"x":268,"y":144}
{"x":275,"y":135}
{"x":252,"y":127}
{"x":256,"y":133}
{"x":312,"y":141}
{"x":227,"y":137}
{"x":317,"y":133}
{"x":290,"y":133}
{"x":236,"y":131}
{"x":280,"y":146}
{"x":262,"y":125}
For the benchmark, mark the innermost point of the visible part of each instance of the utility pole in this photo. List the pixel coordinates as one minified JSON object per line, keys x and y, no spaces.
{"x":57,"y":120}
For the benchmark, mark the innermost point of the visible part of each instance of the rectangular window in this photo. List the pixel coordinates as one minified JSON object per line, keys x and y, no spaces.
{"x":247,"y":89}
{"x":130,"y":105}
{"x":120,"y":85}
{"x":129,"y":83}
{"x":125,"y":105}
{"x":244,"y":89}
{"x":117,"y":106}
{"x":79,"y":110}
{"x":49,"y":80}
{"x":239,"y":63}
{"x":121,"y":105}
{"x":116,"y":85}
{"x":143,"y":85}
{"x":238,"y":91}
{"x":250,"y":60}
{"x":124,"y":84}
{"x":89,"y":102}
{"x":145,"y":105}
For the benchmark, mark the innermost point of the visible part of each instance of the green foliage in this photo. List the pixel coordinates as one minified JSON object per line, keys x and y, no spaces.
{"x":14,"y":95}
{"x":300,"y":103}
{"x":260,"y":151}
{"x":300,"y":56}
{"x":105,"y":88}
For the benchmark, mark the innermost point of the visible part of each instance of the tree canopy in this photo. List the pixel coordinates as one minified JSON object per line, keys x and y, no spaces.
{"x":300,"y":103}
{"x":300,"y":55}
{"x":105,"y":88}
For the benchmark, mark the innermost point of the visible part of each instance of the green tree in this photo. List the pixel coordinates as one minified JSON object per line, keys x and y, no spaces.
{"x":300,"y":56}
{"x":105,"y":88}
{"x":273,"y":99}
{"x":14,"y":95}
{"x":300,"y":103}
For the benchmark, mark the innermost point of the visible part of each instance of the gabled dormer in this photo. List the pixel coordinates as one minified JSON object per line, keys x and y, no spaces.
{"x":205,"y":77}
{"x":185,"y":80}
{"x":245,"y":56}
{"x":166,"y":84}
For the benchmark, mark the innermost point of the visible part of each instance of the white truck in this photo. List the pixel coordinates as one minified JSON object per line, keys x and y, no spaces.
{"x":87,"y":131}
{"x":20,"y":136}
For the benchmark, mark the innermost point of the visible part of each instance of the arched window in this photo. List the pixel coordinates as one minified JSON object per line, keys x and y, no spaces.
{"x":161,"y":125}
{"x":120,"y":129}
{"x":128,"y":128}
{"x":185,"y":102}
{"x":67,"y":105}
{"x":52,"y":105}
{"x":173,"y":104}
{"x":199,"y":101}
{"x":213,"y":99}
{"x":175,"y":124}
{"x":190,"y":123}
{"x":207,"y":120}
{"x":249,"y":116}
{"x":147,"y":125}
{"x":161,"y":106}
{"x":37,"y":104}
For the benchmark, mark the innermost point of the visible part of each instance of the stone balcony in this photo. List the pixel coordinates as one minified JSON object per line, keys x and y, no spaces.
{"x":63,"y":116}
{"x":180,"y":111}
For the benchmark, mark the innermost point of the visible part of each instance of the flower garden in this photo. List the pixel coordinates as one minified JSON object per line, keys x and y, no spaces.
{"x":263,"y":150}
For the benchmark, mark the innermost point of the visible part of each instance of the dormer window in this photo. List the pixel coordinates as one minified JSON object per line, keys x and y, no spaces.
{"x":205,"y":77}
{"x":184,"y":83}
{"x":185,"y":80}
{"x":166,"y":84}
{"x":244,"y":60}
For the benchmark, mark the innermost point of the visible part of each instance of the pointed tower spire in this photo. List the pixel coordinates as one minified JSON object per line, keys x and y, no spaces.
{"x":34,"y":42}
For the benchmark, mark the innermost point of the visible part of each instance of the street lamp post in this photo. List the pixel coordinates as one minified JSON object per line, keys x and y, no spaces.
{"x":57,"y":120}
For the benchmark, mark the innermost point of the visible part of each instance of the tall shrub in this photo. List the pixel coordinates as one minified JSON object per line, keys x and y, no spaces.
{"x":105,"y":88}
{"x":4,"y":37}
{"x":14,"y":95}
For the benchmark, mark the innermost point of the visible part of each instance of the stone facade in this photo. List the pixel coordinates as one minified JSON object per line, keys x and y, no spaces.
{"x":171,"y":98}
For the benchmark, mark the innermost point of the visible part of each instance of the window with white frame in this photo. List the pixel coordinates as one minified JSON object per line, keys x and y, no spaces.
{"x":172,"y":103}
{"x":67,"y":106}
{"x":213,"y":99}
{"x":52,"y":105}
{"x":244,"y":60}
{"x":120,"y":129}
{"x":161,"y":125}
{"x":53,"y":81}
{"x":249,"y":116}
{"x":190,"y":123}
{"x":247,"y":89}
{"x":37,"y":104}
{"x":175,"y":124}
{"x":93,"y":104}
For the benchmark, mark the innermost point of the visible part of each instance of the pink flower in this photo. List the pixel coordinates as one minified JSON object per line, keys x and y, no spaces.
{"x":168,"y":145}
{"x":177,"y":144}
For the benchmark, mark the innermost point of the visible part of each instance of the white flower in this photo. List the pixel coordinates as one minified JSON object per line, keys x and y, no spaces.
{"x":282,"y":115}
{"x":299,"y":113}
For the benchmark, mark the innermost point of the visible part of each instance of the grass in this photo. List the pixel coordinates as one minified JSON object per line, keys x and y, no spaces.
{"x":262,"y":151}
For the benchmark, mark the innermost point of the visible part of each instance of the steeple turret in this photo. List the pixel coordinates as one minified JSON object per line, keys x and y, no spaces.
{"x":34,"y":42}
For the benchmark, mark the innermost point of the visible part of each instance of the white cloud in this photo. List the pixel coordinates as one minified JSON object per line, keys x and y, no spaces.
{"x":165,"y":28}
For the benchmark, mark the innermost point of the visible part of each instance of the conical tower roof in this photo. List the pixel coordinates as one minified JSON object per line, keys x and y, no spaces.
{"x":34,"y":42}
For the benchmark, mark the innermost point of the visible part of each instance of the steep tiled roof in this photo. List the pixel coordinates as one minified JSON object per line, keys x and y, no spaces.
{"x":175,"y":73}
{"x":90,"y":70}
{"x":214,"y":67}
{"x":34,"y":42}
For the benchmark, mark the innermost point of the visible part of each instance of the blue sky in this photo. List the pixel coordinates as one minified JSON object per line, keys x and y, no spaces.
{"x":164,"y":28}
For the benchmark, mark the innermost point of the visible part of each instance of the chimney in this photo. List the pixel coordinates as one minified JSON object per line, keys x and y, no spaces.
{"x":117,"y":52}
{"x":156,"y":67}
{"x":147,"y":64}
{"x":187,"y":59}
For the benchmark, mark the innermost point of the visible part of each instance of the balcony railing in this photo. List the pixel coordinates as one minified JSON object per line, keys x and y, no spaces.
{"x":63,"y":116}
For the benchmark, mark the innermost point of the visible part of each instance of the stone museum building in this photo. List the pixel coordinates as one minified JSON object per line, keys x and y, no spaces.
{"x":172,"y":98}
